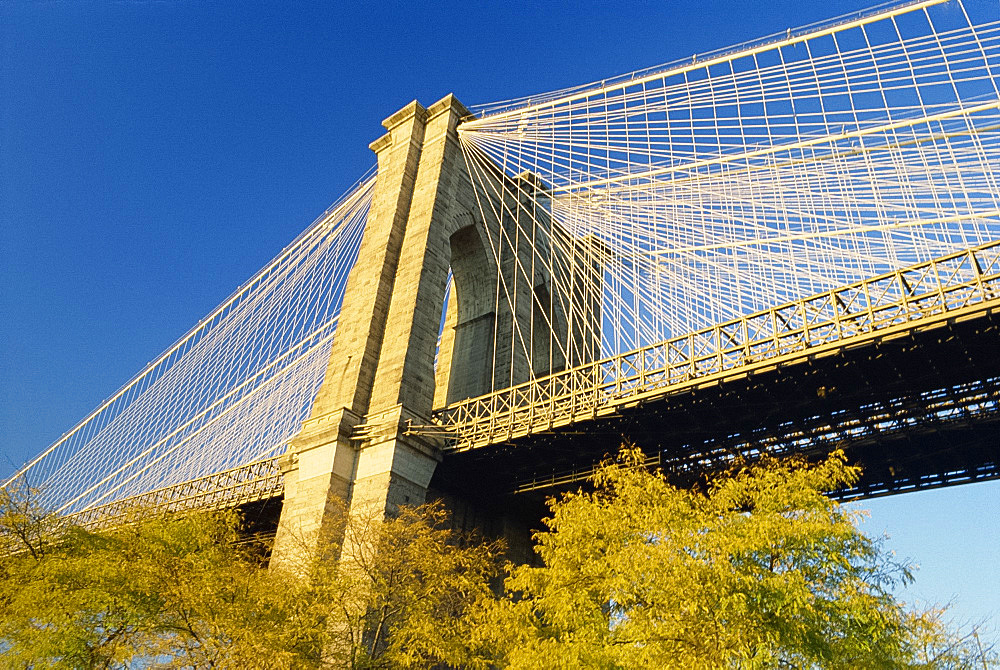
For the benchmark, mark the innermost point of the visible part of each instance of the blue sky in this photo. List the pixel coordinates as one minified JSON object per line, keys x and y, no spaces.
{"x":155,"y":153}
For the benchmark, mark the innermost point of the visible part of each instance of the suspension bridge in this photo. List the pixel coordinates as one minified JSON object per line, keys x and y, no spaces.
{"x":788,"y":246}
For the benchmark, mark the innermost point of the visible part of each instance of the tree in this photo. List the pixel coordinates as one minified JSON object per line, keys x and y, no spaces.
{"x":217,"y":606}
{"x":399,"y":592}
{"x":181,"y":591}
{"x":758,"y":569}
{"x":25,"y":525}
{"x":63,"y":604}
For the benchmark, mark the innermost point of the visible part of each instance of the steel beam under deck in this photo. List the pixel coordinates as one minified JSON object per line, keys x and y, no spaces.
{"x":919,"y":409}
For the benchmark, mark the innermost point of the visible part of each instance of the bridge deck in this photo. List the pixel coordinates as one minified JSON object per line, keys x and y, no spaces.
{"x":919,"y":410}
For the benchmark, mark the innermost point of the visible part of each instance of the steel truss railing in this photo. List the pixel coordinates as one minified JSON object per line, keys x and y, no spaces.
{"x":252,"y":482}
{"x":958,"y":285}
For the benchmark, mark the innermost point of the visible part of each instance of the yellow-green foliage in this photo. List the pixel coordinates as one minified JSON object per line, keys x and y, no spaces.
{"x":182,"y":592}
{"x":759,"y":570}
{"x":401,"y":592}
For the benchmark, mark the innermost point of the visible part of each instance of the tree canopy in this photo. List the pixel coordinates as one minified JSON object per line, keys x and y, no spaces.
{"x":756,"y":568}
{"x":186,"y":592}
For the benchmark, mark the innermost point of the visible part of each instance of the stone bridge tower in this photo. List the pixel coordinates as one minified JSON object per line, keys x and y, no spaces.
{"x":424,"y":219}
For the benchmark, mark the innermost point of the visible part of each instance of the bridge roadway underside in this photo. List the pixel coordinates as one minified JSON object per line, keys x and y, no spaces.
{"x":921,"y":410}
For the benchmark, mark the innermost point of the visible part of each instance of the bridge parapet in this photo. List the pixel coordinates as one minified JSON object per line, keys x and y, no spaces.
{"x":957,"y":286}
{"x":253,"y":482}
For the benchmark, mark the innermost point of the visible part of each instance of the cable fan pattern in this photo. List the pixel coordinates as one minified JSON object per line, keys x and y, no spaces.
{"x":725,"y":185}
{"x":233,"y":390}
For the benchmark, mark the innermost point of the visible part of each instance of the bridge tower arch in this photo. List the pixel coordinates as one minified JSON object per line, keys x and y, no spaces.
{"x":425,"y":219}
